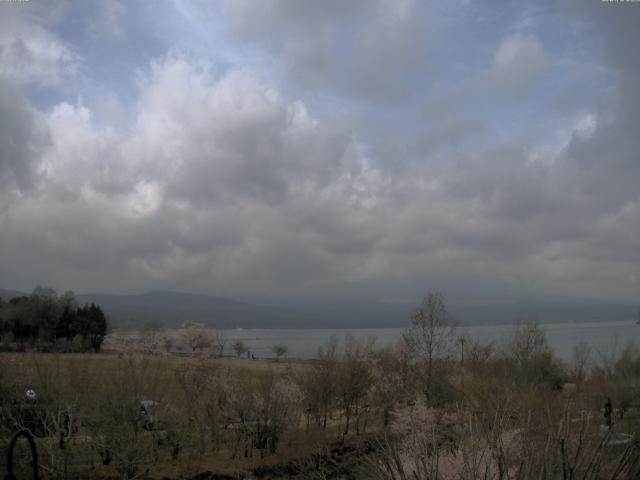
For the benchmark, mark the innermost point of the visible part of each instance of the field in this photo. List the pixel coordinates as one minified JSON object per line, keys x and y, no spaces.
{"x":102,"y":392}
{"x":355,"y":412}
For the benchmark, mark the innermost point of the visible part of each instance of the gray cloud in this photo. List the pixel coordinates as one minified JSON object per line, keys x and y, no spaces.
{"x":519,"y":63}
{"x":219,"y":180}
{"x":29,"y":52}
{"x":371,"y":50}
{"x":211,"y":182}
{"x":604,"y":167}
{"x":22,"y":138}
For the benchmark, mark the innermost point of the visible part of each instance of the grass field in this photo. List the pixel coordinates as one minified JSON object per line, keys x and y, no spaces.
{"x":265,"y":419}
{"x":103,"y":389}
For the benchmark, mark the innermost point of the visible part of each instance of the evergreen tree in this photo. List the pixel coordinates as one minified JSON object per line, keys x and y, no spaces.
{"x":44,"y":317}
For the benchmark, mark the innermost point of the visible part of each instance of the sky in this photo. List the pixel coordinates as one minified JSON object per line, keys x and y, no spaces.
{"x":370,"y":150}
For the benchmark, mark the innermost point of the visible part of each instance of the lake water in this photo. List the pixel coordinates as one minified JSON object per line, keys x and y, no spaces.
{"x":601,"y":336}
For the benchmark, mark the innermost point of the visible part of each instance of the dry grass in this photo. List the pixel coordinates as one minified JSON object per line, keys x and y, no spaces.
{"x":213,"y":413}
{"x":99,"y":387}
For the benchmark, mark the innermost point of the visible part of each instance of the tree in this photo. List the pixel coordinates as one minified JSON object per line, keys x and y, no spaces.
{"x":526,"y":342}
{"x":430,"y":335}
{"x":68,"y":300}
{"x":319,"y":383}
{"x":196,"y":336}
{"x":64,"y":327}
{"x":354,"y":379}
{"x":167,"y":343}
{"x":44,"y":312}
{"x":95,"y":326}
{"x":44,"y":318}
{"x":580,"y":358}
{"x":277,"y":402}
{"x":150,"y":339}
{"x":240,"y":347}
{"x":628,"y":364}
{"x":200,"y":381}
{"x":279,"y":349}
{"x":531,"y":356}
{"x":325,"y":370}
{"x":221,"y":341}
{"x":393,"y":379}
{"x":116,"y":426}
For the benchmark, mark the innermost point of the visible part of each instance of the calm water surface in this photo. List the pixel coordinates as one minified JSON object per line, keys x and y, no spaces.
{"x":603,"y":336}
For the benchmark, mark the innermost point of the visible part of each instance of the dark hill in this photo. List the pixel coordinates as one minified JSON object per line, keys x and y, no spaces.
{"x":7,"y":295}
{"x":172,"y":308}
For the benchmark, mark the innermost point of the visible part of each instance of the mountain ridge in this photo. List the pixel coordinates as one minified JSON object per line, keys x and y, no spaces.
{"x":172,"y":308}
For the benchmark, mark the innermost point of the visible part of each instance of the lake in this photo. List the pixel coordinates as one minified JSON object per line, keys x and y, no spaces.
{"x":604,"y":337}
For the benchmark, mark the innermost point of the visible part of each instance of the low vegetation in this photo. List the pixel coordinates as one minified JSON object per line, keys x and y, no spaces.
{"x":433,"y":406}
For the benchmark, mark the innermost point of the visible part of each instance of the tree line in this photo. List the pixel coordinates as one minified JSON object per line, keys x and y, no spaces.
{"x":46,"y":321}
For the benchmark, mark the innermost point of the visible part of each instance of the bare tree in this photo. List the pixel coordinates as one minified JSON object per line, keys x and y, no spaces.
{"x":628,"y":364}
{"x":580,"y":358}
{"x":325,"y":370}
{"x":277,"y":403}
{"x":239,"y":347}
{"x":197,"y":420}
{"x":167,"y":343}
{"x":279,"y":349}
{"x":431,"y":336}
{"x":239,"y":409}
{"x":526,"y":342}
{"x":318,"y":383}
{"x":354,"y":380}
{"x":221,"y":342}
{"x":604,"y":363}
{"x":116,"y":428}
{"x":530,"y":359}
{"x":393,"y":379}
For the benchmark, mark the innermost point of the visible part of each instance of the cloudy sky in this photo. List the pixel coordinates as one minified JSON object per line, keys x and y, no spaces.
{"x":281,"y":149}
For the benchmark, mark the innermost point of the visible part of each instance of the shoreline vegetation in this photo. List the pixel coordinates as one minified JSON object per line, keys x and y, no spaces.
{"x":436,"y":405}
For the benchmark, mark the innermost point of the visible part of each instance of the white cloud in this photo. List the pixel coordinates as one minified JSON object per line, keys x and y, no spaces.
{"x":31,"y":54}
{"x":109,"y":19}
{"x":203,"y":186}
